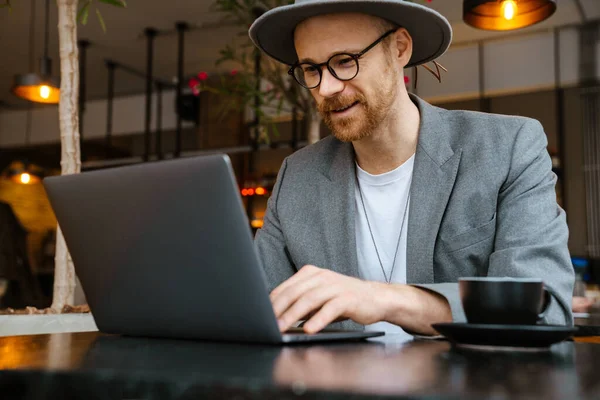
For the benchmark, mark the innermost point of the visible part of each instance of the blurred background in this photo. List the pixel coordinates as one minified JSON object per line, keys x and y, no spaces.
{"x":152,"y":88}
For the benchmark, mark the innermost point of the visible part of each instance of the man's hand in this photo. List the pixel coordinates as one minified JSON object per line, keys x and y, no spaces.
{"x":322,"y":296}
{"x":326,"y":296}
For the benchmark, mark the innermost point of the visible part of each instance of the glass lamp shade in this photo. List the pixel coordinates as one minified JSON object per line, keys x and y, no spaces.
{"x":38,"y":89}
{"x":505,"y":15}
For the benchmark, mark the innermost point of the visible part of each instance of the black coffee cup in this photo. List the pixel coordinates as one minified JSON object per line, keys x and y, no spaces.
{"x":503,"y":301}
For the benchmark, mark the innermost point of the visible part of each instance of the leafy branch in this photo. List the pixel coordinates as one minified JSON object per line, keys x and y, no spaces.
{"x":84,"y":11}
{"x":273,"y":91}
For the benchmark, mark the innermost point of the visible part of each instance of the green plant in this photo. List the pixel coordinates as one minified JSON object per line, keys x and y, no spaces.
{"x":84,"y":11}
{"x":268,"y":94}
{"x":271,"y":92}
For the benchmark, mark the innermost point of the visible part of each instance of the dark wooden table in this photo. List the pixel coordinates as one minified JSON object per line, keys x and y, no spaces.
{"x":96,"y":366}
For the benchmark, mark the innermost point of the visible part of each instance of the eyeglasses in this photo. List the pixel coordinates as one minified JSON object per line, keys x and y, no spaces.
{"x":343,"y":66}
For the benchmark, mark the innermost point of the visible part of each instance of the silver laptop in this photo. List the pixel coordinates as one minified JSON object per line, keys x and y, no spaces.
{"x":164,"y":249}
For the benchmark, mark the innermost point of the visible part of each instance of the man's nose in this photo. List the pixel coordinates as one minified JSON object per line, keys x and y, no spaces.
{"x":330,"y":85}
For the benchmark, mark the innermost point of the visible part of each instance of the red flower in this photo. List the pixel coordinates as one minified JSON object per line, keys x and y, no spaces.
{"x":192,"y":83}
{"x":203,"y":76}
{"x":406,"y":79}
{"x":234,"y":72}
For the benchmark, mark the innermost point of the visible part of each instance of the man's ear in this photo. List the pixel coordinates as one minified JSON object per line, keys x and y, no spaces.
{"x":403,"y":46}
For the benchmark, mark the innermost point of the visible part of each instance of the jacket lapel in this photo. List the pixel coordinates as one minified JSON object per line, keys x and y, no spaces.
{"x":336,"y":198}
{"x":435,"y":168}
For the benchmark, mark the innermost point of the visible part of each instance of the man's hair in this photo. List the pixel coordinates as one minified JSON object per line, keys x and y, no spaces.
{"x":383,"y":26}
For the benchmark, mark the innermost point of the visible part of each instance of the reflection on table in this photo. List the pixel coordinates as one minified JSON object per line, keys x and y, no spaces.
{"x":107,"y":367}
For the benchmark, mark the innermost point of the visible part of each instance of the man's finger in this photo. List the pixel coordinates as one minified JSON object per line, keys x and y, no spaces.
{"x":302,"y":274}
{"x":311,"y":301}
{"x":330,"y":312}
{"x":293,"y":293}
{"x":289,"y":296}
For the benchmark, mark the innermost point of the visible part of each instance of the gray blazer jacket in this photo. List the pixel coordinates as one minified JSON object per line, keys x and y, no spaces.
{"x":483,"y":203}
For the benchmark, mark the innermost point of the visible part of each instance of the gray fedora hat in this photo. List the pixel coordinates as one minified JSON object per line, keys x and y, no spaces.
{"x":273,"y":32}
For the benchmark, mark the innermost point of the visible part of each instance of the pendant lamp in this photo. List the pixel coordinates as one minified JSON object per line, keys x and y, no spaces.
{"x":505,"y":15}
{"x":42,"y":87}
{"x":22,"y":171}
{"x":25,"y":173}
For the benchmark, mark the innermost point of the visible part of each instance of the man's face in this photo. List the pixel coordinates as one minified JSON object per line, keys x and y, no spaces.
{"x":371,"y":93}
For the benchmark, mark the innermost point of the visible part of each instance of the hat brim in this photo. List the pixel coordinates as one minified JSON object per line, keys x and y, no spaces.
{"x":431,"y":32}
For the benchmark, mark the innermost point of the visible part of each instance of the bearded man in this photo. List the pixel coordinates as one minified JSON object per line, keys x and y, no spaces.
{"x":373,"y":225}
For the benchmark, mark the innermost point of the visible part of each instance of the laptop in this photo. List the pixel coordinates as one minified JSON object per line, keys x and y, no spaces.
{"x":164,"y":249}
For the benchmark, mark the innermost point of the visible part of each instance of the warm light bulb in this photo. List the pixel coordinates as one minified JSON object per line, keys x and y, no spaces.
{"x":509,"y":9}
{"x":44,"y":91}
{"x":25,"y":178}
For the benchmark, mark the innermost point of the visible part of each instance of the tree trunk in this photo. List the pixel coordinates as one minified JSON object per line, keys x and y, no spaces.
{"x":313,"y":126}
{"x":64,"y":274}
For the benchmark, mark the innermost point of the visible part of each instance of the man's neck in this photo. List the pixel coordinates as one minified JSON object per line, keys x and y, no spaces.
{"x":394,"y":142}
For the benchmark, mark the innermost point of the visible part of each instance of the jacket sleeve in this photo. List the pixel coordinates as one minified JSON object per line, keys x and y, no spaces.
{"x":531,"y":231}
{"x":270,"y":240}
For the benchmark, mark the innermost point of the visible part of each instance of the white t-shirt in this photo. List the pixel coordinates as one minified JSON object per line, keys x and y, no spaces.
{"x":386,"y":203}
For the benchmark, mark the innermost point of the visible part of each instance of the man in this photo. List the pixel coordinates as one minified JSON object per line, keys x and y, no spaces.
{"x":375,"y":224}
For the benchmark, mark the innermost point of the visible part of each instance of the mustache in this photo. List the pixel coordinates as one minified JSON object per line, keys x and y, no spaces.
{"x":337,"y":102}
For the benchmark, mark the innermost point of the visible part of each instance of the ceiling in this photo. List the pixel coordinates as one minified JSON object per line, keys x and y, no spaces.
{"x":125,"y":43}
